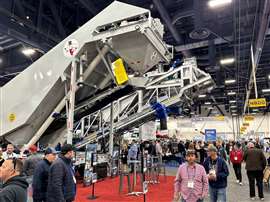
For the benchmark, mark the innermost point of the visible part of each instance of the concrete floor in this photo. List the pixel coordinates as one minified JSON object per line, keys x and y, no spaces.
{"x":235,"y":192}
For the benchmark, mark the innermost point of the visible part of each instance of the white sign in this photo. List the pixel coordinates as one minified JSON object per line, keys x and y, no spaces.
{"x":148,"y":130}
{"x":71,"y":48}
{"x":145,"y":187}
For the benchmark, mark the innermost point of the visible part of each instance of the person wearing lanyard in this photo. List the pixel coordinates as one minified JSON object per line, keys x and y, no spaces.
{"x":217,"y":171}
{"x":236,"y":157}
{"x":191,"y":182}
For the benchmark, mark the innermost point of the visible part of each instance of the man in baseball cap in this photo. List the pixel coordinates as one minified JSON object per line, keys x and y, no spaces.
{"x":62,"y":181}
{"x":217,"y":171}
{"x":40,"y":178}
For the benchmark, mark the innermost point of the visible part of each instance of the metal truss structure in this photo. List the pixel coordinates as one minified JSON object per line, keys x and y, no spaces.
{"x":176,"y":86}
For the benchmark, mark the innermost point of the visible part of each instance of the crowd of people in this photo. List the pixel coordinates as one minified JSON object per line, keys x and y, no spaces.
{"x":50,"y":179}
{"x":206,"y":172}
{"x":203,"y":169}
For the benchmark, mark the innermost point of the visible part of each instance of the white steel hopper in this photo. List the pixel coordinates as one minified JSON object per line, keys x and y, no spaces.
{"x":28,"y":101}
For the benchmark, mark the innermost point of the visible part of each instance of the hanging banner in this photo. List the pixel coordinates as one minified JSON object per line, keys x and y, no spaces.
{"x":260,"y":102}
{"x":210,"y":135}
{"x":220,"y":118}
{"x":249,"y":118}
{"x":148,"y":131}
{"x":243,"y":128}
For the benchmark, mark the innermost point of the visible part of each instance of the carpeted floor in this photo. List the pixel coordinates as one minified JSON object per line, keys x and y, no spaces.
{"x":107,"y":191}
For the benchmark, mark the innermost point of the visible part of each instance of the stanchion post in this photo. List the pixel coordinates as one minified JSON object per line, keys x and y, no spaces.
{"x":93,"y":197}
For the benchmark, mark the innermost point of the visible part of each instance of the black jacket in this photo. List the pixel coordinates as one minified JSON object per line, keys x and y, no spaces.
{"x":40,"y":180}
{"x":222,"y":172}
{"x":61,"y":185}
{"x":14,"y":190}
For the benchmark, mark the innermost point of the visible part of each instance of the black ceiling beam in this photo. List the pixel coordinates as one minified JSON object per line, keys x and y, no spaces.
{"x":40,"y":14}
{"x":90,"y":7}
{"x":57,"y":18}
{"x":34,"y":10}
{"x":20,"y":9}
{"x":21,"y":34}
{"x":22,"y":23}
{"x":181,"y":15}
{"x":263,"y":23}
{"x":166,"y":18}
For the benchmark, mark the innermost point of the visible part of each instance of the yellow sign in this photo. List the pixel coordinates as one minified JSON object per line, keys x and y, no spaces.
{"x":245,"y":124}
{"x":220,"y":118}
{"x":248,"y":118}
{"x":261,"y":102}
{"x":11,"y":117}
{"x":243,"y":128}
{"x":119,"y":71}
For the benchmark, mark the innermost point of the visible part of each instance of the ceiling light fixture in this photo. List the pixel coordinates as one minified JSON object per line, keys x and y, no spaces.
{"x":202,"y":96}
{"x":207,"y":103}
{"x":267,"y":90}
{"x":233,"y":106}
{"x":230,"y":81}
{"x":232,"y":101}
{"x":231,"y":93}
{"x":28,"y":51}
{"x":218,"y":3}
{"x":234,"y":114}
{"x":227,"y":61}
{"x":269,"y":76}
{"x":255,"y":110}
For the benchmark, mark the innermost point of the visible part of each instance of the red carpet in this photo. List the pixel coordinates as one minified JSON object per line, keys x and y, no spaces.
{"x":107,"y":191}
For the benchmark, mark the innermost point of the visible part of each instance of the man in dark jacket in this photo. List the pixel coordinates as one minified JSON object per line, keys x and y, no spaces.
{"x":255,"y":165}
{"x":40,"y":178}
{"x":15,"y":186}
{"x":217,"y":171}
{"x":62,"y":182}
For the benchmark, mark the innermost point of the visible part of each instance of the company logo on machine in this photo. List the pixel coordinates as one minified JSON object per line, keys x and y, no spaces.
{"x":11,"y":117}
{"x":71,"y":48}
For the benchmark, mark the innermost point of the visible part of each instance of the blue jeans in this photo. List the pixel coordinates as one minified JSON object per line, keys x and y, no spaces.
{"x":217,"y":194}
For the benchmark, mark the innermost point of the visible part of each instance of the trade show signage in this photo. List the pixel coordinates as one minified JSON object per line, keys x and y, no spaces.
{"x":248,"y":118}
{"x":220,"y":118}
{"x":210,"y":135}
{"x":260,"y":102}
{"x":243,"y":128}
{"x":148,"y":131}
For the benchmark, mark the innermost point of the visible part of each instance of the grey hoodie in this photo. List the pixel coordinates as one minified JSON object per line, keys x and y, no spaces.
{"x":14,"y":190}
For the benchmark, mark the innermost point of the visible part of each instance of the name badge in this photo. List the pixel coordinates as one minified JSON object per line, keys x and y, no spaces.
{"x":190,"y":184}
{"x":74,"y":179}
{"x":212,"y":172}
